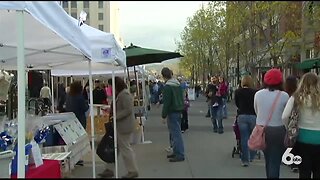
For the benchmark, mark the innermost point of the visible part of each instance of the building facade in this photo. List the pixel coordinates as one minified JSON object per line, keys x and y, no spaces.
{"x":103,"y":15}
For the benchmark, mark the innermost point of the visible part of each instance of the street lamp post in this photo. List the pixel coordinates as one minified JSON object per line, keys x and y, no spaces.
{"x":238,"y":64}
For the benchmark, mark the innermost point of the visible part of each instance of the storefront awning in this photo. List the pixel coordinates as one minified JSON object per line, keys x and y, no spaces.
{"x":309,"y":64}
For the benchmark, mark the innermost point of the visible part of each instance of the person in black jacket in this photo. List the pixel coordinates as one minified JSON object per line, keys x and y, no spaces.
{"x":77,"y":104}
{"x":244,"y":99}
{"x":99,"y":94}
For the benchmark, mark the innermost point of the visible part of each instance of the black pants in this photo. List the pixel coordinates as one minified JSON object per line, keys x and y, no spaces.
{"x":184,"y":121}
{"x":310,"y":155}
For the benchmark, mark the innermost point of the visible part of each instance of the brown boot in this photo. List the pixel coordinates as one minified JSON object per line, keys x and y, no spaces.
{"x":107,"y":173}
{"x":131,"y":175}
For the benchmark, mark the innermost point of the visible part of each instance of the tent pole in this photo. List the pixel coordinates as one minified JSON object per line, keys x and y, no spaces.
{"x":21,"y":95}
{"x":52,"y":94}
{"x":144,"y":90}
{"x":114,"y":122}
{"x":128,"y":77}
{"x":92,"y":122}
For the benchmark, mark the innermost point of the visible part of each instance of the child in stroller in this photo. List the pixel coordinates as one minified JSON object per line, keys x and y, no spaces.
{"x":237,"y":149}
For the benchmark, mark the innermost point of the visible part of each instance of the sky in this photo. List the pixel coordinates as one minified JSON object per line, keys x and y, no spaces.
{"x":155,"y":24}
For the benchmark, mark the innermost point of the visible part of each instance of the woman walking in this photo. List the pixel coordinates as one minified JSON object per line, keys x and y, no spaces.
{"x":244,"y":99}
{"x":307,"y":100}
{"x":272,"y":95}
{"x":125,"y":127}
{"x":290,"y":87}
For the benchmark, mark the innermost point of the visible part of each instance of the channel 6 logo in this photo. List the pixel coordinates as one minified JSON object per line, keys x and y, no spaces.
{"x":289,"y":158}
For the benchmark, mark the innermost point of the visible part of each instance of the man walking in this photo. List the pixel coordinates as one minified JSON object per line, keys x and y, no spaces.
{"x":215,"y":100}
{"x":173,"y":104}
{"x":45,"y":94}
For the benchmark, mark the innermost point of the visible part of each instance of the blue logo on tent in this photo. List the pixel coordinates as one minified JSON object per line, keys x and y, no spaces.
{"x":106,"y":52}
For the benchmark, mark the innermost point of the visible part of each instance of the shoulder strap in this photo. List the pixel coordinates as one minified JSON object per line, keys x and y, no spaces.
{"x":273,"y":107}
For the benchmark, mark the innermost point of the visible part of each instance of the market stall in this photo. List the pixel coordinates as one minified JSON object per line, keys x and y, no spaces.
{"x":43,"y":36}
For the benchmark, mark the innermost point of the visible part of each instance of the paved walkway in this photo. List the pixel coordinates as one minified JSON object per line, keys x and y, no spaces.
{"x":208,"y":154}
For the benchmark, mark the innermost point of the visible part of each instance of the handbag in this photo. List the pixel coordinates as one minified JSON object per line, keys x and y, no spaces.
{"x":292,"y":129}
{"x":106,"y":149}
{"x":257,"y":140}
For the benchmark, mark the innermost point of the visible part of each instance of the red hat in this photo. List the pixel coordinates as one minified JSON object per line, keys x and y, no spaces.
{"x":273,"y":77}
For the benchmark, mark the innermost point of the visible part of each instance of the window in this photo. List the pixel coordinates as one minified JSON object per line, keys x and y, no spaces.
{"x":309,"y":53}
{"x":65,"y":4}
{"x":100,"y":4}
{"x":73,"y":4}
{"x":101,"y":27}
{"x":100,"y":16}
{"x":85,"y":4}
{"x":74,"y":14}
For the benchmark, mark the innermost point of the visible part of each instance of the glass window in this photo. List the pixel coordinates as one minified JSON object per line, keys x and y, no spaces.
{"x":65,"y":4}
{"x":101,"y":27}
{"x":100,"y":16}
{"x":74,"y":14}
{"x":100,"y":4}
{"x":85,"y":4}
{"x":73,"y":4}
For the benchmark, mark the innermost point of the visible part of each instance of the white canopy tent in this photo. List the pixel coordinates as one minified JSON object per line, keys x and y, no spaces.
{"x":42,"y":35}
{"x":97,"y":69}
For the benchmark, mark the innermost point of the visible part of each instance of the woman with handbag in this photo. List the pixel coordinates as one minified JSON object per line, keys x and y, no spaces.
{"x":244,"y":98}
{"x":269,"y":104}
{"x":306,"y":101}
{"x":125,"y":127}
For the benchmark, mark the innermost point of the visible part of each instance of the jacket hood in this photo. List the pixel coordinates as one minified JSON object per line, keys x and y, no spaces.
{"x":173,"y":82}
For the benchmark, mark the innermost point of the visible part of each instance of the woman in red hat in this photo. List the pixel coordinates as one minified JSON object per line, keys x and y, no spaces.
{"x":269,"y":104}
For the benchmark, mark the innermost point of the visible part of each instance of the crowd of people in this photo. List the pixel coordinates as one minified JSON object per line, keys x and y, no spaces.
{"x":271,"y":106}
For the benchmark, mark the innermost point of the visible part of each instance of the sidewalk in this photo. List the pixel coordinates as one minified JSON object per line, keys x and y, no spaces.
{"x":208,"y":154}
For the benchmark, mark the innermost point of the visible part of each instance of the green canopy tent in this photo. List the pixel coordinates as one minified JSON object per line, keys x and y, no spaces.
{"x":138,"y":56}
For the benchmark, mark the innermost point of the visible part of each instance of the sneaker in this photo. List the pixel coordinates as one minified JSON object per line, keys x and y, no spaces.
{"x":169,"y":149}
{"x":295,"y":170}
{"x":171,"y":156}
{"x":106,"y":174}
{"x":182,"y":131}
{"x":244,"y":164}
{"x":175,"y":159}
{"x":80,"y":163}
{"x":131,"y":175}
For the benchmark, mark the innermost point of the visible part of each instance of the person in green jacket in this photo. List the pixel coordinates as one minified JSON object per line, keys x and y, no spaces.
{"x":173,"y":105}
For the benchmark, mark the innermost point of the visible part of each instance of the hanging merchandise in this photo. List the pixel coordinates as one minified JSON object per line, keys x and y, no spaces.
{"x":5,"y":79}
{"x":5,"y":141}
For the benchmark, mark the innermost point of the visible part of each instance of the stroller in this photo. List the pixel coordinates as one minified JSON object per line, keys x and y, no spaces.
{"x":237,"y":149}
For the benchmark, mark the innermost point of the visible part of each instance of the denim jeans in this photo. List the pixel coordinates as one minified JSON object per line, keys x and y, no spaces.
{"x":274,"y":150}
{"x":174,"y":122}
{"x":216,"y":118}
{"x":224,"y":107}
{"x":246,"y":124}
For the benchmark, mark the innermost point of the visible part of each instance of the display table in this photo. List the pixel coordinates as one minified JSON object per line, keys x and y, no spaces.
{"x":49,"y":169}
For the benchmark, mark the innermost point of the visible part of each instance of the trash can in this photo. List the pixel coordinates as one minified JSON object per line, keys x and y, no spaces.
{"x":5,"y":161}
